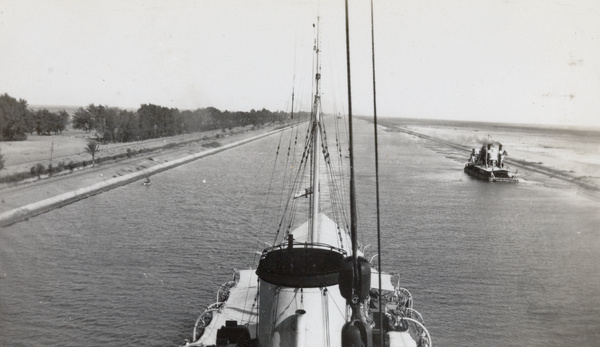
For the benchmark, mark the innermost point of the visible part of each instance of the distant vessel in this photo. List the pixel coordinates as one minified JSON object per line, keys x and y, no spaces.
{"x":487,"y":163}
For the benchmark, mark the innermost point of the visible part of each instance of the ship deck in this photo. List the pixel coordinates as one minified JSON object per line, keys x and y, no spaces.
{"x":240,"y":306}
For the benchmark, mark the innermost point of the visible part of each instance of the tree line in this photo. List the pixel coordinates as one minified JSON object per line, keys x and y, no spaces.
{"x":112,"y":124}
{"x":16,"y":120}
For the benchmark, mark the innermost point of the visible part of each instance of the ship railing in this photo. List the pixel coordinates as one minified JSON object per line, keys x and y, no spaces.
{"x":403,"y":297}
{"x":222,"y":295}
{"x":297,"y":245}
{"x":403,"y":319}
{"x":205,"y":318}
{"x":223,"y":292}
{"x":415,"y":314}
{"x":405,"y":314}
{"x":419,"y":332}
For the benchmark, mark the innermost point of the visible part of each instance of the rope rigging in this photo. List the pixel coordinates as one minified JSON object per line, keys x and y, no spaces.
{"x":291,"y":203}
{"x":376,"y":167}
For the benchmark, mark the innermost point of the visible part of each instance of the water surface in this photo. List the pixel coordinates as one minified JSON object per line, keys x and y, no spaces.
{"x":488,"y":264}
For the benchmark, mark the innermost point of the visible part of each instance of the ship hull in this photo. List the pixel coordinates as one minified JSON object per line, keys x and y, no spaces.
{"x":491,"y":175}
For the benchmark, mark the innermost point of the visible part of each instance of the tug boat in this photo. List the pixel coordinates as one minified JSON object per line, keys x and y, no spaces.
{"x":487,"y":163}
{"x":314,"y":286}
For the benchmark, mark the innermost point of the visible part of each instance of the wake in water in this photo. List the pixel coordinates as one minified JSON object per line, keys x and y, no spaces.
{"x":540,"y":153}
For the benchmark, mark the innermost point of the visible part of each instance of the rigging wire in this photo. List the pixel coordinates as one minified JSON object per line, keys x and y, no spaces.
{"x":285,"y":207}
{"x":291,"y":203}
{"x":376,"y":170}
{"x":285,"y":171}
{"x":334,"y":91}
{"x":262,"y":222}
{"x":353,"y":221}
{"x":335,"y":192}
{"x":300,"y":181}
{"x":341,"y":168}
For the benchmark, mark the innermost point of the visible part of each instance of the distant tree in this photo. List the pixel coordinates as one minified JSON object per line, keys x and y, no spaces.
{"x":45,"y":122}
{"x":83,"y":119}
{"x":41,"y":121}
{"x":13,"y":118}
{"x":106,"y":122}
{"x":157,"y":121}
{"x":127,"y":126}
{"x":62,"y":120}
{"x":92,"y":148}
{"x":152,"y":121}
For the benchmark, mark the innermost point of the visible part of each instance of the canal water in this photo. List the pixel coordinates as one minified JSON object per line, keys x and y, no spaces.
{"x":487,"y":264}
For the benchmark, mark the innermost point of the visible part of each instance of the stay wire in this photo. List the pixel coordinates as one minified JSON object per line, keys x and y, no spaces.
{"x":262,"y":222}
{"x":376,"y":169}
{"x":335,"y":191}
{"x":290,"y":210}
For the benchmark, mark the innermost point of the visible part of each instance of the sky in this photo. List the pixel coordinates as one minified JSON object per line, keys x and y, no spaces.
{"x":515,"y":61}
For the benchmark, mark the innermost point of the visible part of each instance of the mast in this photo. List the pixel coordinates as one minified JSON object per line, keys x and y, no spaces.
{"x":316,"y":130}
{"x":355,"y":271}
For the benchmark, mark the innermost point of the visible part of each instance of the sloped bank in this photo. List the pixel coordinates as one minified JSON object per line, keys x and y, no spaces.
{"x":30,"y":210}
{"x":516,"y":162}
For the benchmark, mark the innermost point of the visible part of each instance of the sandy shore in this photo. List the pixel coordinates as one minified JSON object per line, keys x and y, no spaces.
{"x":551,"y":156}
{"x":20,"y":156}
{"x":569,"y":156}
{"x":22,"y":200}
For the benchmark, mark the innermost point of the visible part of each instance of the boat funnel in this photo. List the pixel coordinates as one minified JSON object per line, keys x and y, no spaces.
{"x":300,"y":328}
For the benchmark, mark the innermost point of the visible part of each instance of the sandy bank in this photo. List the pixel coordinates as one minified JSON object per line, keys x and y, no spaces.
{"x":20,"y":156}
{"x":561,"y":155}
{"x":22,"y":202}
{"x":555,"y":156}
